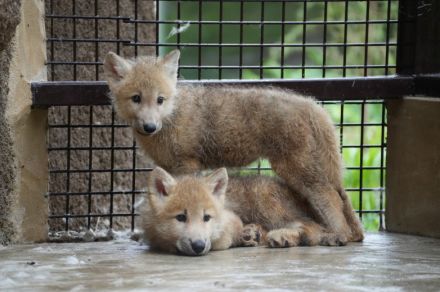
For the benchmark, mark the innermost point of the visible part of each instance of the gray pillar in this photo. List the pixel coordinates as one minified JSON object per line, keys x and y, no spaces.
{"x":413,"y":166}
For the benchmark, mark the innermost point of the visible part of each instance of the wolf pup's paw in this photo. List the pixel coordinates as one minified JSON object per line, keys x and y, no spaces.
{"x":283,"y":238}
{"x":332,"y":239}
{"x":252,"y":235}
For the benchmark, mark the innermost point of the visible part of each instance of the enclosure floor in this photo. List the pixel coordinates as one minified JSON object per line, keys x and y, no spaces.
{"x":383,"y":261}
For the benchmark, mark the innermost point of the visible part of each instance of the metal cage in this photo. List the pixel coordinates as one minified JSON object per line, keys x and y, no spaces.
{"x":345,"y":53}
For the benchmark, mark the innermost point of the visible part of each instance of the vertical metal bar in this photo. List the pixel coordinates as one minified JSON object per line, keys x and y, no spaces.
{"x":344,"y":72}
{"x":418,"y":50}
{"x":304,"y":37}
{"x":406,"y":38}
{"x":118,"y":29}
{"x":112,"y":167}
{"x":324,"y":40}
{"x":69,"y":110}
{"x":136,"y":39}
{"x":261,"y":59}
{"x":90,"y":166}
{"x":133,"y":151}
{"x":387,"y":40}
{"x":52,"y":50}
{"x":344,"y":54}
{"x":178,"y":24}
{"x":241,"y":41}
{"x":74,"y":37}
{"x":157,"y":26}
{"x":283,"y":31}
{"x":367,"y":33}
{"x":67,"y":210}
{"x":90,"y":152}
{"x":220,"y":41}
{"x":361,"y":165}
{"x":361,"y":159}
{"x":261,"y":40}
{"x":381,"y":174}
{"x":96,"y":43}
{"x":199,"y":69}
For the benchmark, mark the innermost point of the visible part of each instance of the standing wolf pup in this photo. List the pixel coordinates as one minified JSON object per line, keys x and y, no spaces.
{"x":187,"y":128}
{"x":194,"y":214}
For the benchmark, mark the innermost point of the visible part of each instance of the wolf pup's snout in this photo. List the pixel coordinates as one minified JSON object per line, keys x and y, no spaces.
{"x":198,"y":246}
{"x":149,"y":128}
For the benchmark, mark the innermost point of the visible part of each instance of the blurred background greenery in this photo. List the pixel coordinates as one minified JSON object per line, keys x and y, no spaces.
{"x":334,"y":23}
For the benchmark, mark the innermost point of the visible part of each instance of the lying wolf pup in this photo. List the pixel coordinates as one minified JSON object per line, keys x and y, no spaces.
{"x":187,"y":128}
{"x":194,"y":214}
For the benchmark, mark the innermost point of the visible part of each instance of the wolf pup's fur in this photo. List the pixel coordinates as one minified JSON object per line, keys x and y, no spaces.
{"x":187,"y":128}
{"x":194,"y":214}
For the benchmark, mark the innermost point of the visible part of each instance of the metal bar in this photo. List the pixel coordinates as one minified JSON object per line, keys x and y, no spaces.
{"x":91,"y":215}
{"x":251,"y":45}
{"x":60,"y":93}
{"x":428,"y":85}
{"x":418,"y":37}
{"x":264,"y":22}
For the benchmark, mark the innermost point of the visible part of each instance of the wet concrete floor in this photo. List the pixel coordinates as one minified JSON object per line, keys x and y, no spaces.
{"x":386,"y":262}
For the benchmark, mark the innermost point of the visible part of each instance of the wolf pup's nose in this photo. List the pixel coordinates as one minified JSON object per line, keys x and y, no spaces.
{"x":198,"y":246}
{"x":149,"y":128}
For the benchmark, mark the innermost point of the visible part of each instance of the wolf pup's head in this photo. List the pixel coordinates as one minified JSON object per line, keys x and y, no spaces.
{"x":143,"y":89}
{"x":185,"y":213}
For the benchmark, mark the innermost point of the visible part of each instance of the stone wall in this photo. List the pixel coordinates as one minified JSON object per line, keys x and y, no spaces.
{"x":23,"y":159}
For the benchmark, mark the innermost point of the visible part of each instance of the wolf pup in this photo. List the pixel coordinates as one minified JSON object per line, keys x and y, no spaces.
{"x":185,"y":128}
{"x":195,"y":214}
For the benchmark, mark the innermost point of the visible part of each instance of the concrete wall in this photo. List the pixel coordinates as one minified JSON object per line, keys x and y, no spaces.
{"x":23,"y":162}
{"x":413,"y":166}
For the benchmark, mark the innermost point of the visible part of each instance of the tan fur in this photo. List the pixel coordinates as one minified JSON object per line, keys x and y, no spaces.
{"x":254,"y":211}
{"x":202,"y":127}
{"x":195,"y":197}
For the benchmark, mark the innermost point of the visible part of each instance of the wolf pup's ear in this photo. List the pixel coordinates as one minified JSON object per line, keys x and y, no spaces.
{"x":171,"y":63}
{"x":115,"y":67}
{"x":160,"y":182}
{"x":218,"y":182}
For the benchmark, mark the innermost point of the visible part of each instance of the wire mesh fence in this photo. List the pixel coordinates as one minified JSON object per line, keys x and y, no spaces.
{"x":96,"y":170}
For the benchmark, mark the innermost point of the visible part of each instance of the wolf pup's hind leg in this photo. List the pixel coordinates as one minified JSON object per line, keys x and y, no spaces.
{"x":322,"y":196}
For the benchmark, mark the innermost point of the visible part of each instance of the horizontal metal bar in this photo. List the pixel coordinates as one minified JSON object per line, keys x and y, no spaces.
{"x":68,"y":171}
{"x":279,"y":1}
{"x":86,"y":17}
{"x":370,"y":211}
{"x":258,"y":45}
{"x":428,"y":85}
{"x":62,"y":93}
{"x":82,"y":40}
{"x":255,"y":67}
{"x":93,"y":215}
{"x":103,"y":193}
{"x":261,"y":22}
{"x":136,"y":214}
{"x":63,"y":126}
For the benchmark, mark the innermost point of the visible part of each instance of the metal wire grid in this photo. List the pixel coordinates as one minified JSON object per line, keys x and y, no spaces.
{"x":248,"y":61}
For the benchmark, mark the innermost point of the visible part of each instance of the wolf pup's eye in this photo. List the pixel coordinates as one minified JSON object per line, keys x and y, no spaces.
{"x":160,"y":99}
{"x":206,"y":218}
{"x":136,"y":98}
{"x":181,"y":218}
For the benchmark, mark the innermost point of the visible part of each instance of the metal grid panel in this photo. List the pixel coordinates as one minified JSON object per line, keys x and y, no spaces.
{"x":97,"y":175}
